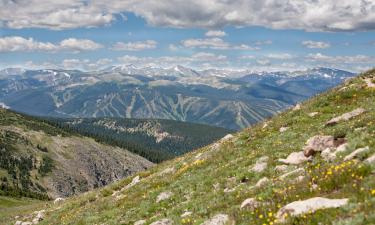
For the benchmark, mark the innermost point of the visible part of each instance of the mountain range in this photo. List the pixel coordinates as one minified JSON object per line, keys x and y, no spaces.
{"x":311,"y":164}
{"x":225,"y":98}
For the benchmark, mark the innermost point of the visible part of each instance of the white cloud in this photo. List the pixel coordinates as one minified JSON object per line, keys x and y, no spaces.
{"x":85,"y":64}
{"x":281,"y":56}
{"x":20,"y":44}
{"x":214,"y":43}
{"x":316,"y":44}
{"x":215,"y":33}
{"x":311,"y":15}
{"x":135,"y":46}
{"x":247,"y":57}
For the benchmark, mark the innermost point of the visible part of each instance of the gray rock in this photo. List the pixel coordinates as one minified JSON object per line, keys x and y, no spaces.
{"x":313,"y":114}
{"x":186,"y":214}
{"x":281,"y":168}
{"x":163,"y":222}
{"x":283,"y":129}
{"x":318,"y":143}
{"x":370,"y":159}
{"x":260,"y":164}
{"x":297,"y":107}
{"x":164,"y":196}
{"x":356,"y":153}
{"x":18,"y":222}
{"x":295,"y":158}
{"x":346,"y":116}
{"x":140,"y":222}
{"x":219,"y":219}
{"x":310,"y":205}
{"x":250,"y":203}
{"x":58,"y":200}
{"x":299,"y":171}
{"x":262,"y":182}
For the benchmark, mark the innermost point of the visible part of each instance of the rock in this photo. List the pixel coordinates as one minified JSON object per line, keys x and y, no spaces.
{"x":299,"y":179}
{"x":265,"y":125}
{"x":356,"y":153}
{"x":164,"y":196}
{"x":341,"y":148}
{"x":369,"y":83}
{"x":219,"y":219}
{"x":170,"y":169}
{"x":226,"y":137}
{"x":346,"y":116}
{"x":135,"y":181}
{"x":295,"y":158}
{"x":18,"y":222}
{"x":283,"y":129}
{"x":163,"y":222}
{"x":250,"y":203}
{"x":297,"y":107}
{"x":313,"y":114}
{"x":317,"y":144}
{"x":295,"y":172}
{"x":186,"y":214}
{"x":229,"y":190}
{"x":26,"y":223}
{"x":310,"y":205}
{"x":370,"y":159}
{"x":58,"y":200}
{"x":281,"y":168}
{"x":262,"y":182}
{"x":140,"y":222}
{"x":260,"y":164}
{"x":328,"y":154}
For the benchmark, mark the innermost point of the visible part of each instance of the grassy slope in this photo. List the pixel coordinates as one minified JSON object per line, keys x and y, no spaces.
{"x":193,"y":181}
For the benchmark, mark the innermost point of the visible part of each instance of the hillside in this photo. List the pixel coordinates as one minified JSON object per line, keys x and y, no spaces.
{"x":42,"y":161}
{"x":153,"y":139}
{"x":271,"y":173}
{"x":229,"y":99}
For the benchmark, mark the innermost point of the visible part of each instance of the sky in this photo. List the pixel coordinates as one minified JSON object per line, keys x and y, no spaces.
{"x":258,"y":35}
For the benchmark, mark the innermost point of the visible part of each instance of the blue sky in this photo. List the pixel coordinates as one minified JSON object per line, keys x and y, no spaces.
{"x":90,"y":35}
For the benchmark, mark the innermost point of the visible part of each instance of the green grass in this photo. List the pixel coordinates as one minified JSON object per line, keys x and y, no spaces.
{"x":11,"y":207}
{"x":195,"y":178}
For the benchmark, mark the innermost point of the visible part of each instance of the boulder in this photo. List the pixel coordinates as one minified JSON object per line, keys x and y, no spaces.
{"x":260,"y":164}
{"x":281,"y":168}
{"x":164,"y":196}
{"x":226,"y":137}
{"x":18,"y":222}
{"x":295,"y":172}
{"x":58,"y":200}
{"x":219,"y":219}
{"x":163,"y":222}
{"x":356,"y":153}
{"x":262,"y":182}
{"x":310,"y":205}
{"x":318,"y":143}
{"x":328,"y":154}
{"x":140,"y":222}
{"x":283,"y":129}
{"x":370,"y":159}
{"x":295,"y":158}
{"x":369,"y":83}
{"x":250,"y":203}
{"x":297,"y":107}
{"x":313,"y":114}
{"x":186,"y":214}
{"x":345,"y":116}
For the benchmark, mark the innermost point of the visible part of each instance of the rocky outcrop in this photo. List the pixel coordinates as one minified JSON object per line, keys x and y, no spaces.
{"x":164,"y":196}
{"x":318,"y":143}
{"x":345,"y":116}
{"x":310,"y":205}
{"x":356,"y":153}
{"x":163,"y":222}
{"x":295,"y":158}
{"x":249,"y":203}
{"x":219,"y":219}
{"x":260,"y":164}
